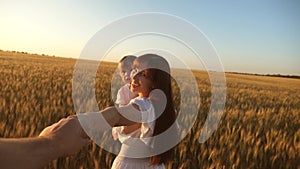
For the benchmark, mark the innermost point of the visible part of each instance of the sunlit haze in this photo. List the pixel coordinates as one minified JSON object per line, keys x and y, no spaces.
{"x":249,"y":36}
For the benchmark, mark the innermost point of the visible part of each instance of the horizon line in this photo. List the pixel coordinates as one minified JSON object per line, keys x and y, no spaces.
{"x":233,"y":72}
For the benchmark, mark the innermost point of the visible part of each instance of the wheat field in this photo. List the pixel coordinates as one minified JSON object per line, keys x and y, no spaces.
{"x":260,"y":126}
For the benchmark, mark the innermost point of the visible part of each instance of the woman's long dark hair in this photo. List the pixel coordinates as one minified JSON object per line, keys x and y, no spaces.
{"x":158,"y":71}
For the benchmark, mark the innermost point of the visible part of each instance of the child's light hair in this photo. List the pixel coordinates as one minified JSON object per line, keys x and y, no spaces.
{"x":128,"y":60}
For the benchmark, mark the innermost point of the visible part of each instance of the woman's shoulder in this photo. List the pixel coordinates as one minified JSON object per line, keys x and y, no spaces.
{"x":141,"y":99}
{"x":144,"y":99}
{"x":143,"y":102}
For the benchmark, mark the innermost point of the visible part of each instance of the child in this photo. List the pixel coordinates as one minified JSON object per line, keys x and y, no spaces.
{"x":124,"y":94}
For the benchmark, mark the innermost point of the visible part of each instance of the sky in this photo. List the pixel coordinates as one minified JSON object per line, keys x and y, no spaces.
{"x":249,"y":36}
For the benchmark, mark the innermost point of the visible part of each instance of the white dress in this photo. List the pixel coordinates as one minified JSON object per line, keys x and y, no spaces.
{"x":137,"y":144}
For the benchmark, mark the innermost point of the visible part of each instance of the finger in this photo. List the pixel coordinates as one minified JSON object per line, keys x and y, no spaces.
{"x":72,"y":116}
{"x":61,"y":121}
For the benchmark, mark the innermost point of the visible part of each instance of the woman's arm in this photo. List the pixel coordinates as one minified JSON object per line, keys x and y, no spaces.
{"x":110,"y":117}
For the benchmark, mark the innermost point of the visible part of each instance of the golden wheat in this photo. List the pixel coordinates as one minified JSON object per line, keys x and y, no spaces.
{"x":259,"y":128}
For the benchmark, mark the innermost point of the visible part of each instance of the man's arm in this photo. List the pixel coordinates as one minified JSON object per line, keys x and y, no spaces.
{"x":63,"y":138}
{"x":25,"y":153}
